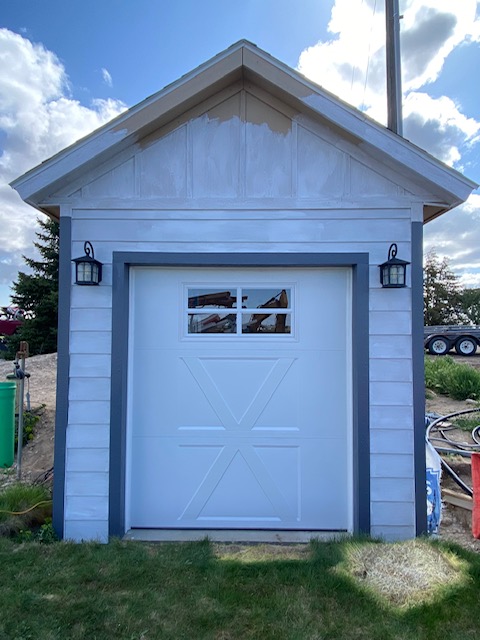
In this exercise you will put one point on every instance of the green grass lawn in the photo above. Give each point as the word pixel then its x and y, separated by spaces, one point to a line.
pixel 140 591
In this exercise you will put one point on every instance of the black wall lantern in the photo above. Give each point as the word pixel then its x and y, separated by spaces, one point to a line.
pixel 393 272
pixel 88 271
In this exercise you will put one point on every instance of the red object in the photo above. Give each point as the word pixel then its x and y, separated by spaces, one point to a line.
pixel 8 327
pixel 476 495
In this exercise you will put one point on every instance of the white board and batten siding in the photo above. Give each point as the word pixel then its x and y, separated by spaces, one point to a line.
pixel 242 173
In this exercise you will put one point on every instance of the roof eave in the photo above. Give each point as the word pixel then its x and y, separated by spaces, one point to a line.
pixel 243 60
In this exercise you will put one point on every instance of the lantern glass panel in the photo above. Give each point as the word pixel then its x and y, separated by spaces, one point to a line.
pixel 82 271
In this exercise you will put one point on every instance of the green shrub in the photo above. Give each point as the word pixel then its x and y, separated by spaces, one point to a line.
pixel 464 382
pixel 30 419
pixel 45 534
pixel 459 381
pixel 437 372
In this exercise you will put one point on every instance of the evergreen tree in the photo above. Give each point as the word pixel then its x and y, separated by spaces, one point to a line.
pixel 37 294
pixel 442 293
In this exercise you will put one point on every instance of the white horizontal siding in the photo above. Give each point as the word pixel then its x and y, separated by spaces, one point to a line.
pixel 89 389
pixel 86 460
pixel 197 231
pixel 375 249
pixel 89 412
pixel 86 508
pixel 392 513
pixel 396 417
pixel 83 484
pixel 392 489
pixel 390 346
pixel 88 436
pixel 400 370
pixel 90 365
pixel 390 394
pixel 98 319
pixel 83 297
pixel 245 209
pixel 382 300
pixel 391 465
pixel 380 322
pixel 390 533
pixel 86 530
pixel 90 341
pixel 388 440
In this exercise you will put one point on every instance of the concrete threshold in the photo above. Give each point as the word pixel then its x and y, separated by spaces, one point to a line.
pixel 231 535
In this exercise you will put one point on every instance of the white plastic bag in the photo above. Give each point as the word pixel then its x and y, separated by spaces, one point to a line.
pixel 434 495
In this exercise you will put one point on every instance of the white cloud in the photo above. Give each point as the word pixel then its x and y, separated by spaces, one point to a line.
pixel 38 118
pixel 456 236
pixel 430 30
pixel 107 78
pixel 352 65
pixel 438 126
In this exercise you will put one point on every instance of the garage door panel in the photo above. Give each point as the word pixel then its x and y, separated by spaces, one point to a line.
pixel 167 479
pixel 231 485
pixel 246 430
pixel 164 402
pixel 238 387
pixel 324 303
pixel 324 503
pixel 155 310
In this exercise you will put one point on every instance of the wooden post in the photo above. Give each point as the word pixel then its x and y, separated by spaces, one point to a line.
pixel 476 495
pixel 394 77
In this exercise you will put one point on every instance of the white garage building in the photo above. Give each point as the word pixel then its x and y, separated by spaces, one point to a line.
pixel 240 371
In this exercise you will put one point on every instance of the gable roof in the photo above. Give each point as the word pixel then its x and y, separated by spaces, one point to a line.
pixel 244 61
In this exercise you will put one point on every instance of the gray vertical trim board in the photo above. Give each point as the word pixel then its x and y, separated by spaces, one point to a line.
pixel 418 379
pixel 118 396
pixel 63 372
pixel 360 383
pixel 361 398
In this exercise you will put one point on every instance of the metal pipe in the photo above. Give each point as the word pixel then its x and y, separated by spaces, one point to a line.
pixel 20 418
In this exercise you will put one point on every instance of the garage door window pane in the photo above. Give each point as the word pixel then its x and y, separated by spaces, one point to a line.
pixel 271 298
pixel 266 323
pixel 212 298
pixel 212 323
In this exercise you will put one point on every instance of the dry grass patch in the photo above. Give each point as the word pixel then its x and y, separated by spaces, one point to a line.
pixel 261 552
pixel 404 574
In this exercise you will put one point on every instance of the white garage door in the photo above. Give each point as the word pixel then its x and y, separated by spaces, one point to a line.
pixel 239 404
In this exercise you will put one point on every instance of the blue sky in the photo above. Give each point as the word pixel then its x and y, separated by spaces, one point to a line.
pixel 66 67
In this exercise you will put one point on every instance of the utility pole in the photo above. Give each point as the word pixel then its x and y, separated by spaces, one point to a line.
pixel 394 76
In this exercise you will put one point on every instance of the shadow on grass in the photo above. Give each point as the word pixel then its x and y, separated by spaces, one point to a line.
pixel 145 591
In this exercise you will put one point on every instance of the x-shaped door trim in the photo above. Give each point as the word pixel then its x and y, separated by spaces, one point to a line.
pixel 231 424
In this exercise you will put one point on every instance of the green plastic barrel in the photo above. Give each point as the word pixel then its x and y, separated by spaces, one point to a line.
pixel 7 423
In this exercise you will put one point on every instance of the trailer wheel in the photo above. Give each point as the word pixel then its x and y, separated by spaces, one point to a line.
pixel 438 346
pixel 465 346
